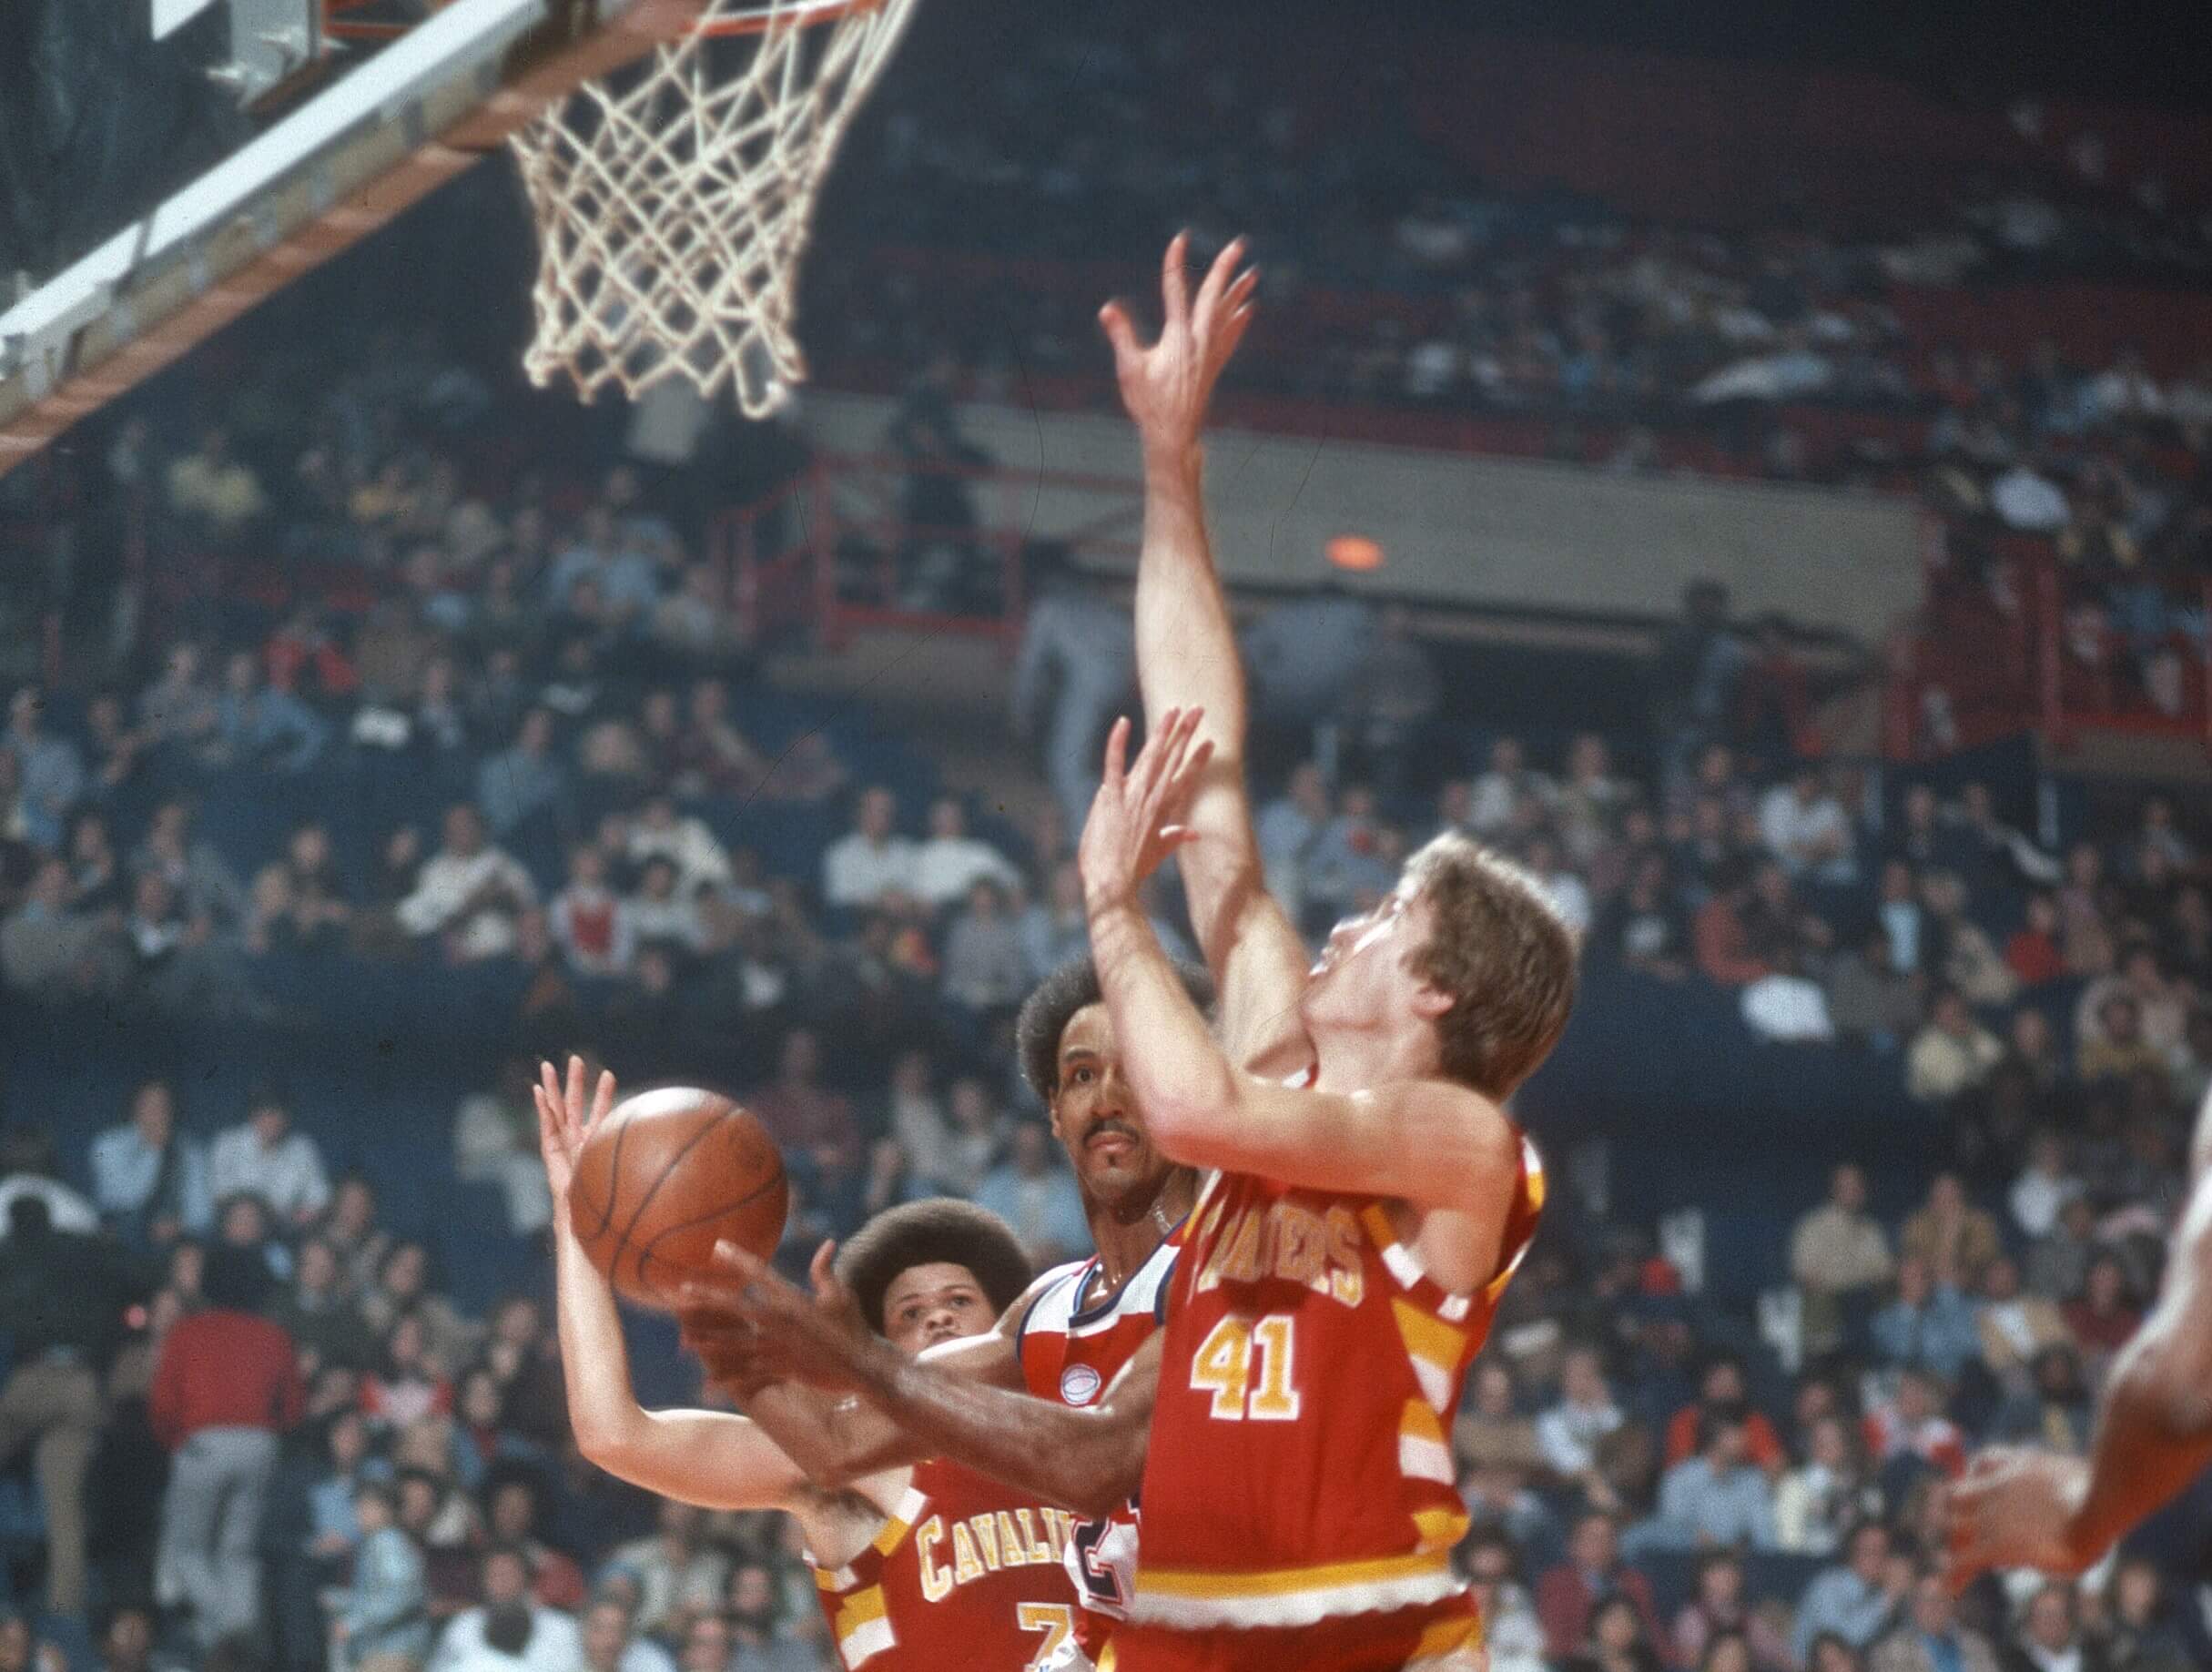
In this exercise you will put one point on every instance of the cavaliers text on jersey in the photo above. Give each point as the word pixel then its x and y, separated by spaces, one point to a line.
pixel 966 1573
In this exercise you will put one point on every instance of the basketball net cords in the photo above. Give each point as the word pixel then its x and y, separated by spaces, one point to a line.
pixel 672 212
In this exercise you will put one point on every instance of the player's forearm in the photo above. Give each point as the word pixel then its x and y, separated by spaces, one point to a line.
pixel 2154 1433
pixel 1180 1079
pixel 1091 1461
pixel 836 1440
pixel 594 1361
pixel 1186 642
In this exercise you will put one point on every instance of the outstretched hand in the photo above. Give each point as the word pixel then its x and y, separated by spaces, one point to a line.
pixel 749 1325
pixel 1131 829
pixel 1168 384
pixel 564 1122
pixel 2014 1507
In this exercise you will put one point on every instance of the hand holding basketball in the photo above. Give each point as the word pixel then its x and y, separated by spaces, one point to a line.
pixel 649 1186
pixel 1167 386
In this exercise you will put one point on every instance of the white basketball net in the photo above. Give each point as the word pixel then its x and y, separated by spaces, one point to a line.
pixel 674 205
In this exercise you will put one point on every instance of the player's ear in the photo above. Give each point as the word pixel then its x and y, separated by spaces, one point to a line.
pixel 1431 1001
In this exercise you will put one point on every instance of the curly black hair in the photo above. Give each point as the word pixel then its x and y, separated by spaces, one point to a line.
pixel 941 1230
pixel 1074 985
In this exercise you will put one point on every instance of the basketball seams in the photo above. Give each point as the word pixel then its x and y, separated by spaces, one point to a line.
pixel 777 1180
pixel 706 1127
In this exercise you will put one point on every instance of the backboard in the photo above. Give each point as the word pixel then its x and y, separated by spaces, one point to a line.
pixel 404 95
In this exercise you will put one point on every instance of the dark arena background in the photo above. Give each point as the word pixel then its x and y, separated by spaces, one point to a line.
pixel 1752 464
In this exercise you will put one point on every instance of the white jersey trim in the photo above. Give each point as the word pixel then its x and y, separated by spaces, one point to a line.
pixel 1299 1607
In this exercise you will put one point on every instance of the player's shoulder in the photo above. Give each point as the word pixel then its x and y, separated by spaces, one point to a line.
pixel 1048 1302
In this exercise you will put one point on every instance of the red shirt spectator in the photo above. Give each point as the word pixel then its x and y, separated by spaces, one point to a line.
pixel 224 1368
pixel 2033 953
pixel 1567 1593
pixel 1762 1445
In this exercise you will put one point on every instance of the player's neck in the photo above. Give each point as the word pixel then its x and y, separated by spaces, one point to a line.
pixel 1126 1232
pixel 1359 1058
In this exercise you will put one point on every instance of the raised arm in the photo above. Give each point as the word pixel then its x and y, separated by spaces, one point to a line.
pixel 2020 1508
pixel 1427 1142
pixel 1186 643
pixel 706 1457
pixel 750 1323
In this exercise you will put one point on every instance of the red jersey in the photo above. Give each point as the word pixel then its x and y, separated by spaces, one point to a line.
pixel 966 1573
pixel 1072 1353
pixel 1300 1468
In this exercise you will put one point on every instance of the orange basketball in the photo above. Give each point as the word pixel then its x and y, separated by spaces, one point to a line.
pixel 662 1179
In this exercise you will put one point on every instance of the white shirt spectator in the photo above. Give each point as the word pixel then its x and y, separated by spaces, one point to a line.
pixel 1567 1434
pixel 554 1646
pixel 2028 501
pixel 287 1175
pixel 945 867
pixel 1810 838
pixel 1788 1009
pixel 686 844
pixel 2037 1197
pixel 859 872
pixel 450 894
pixel 1569 896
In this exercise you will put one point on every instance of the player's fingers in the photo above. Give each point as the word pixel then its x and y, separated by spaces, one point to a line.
pixel 575 1088
pixel 604 1100
pixel 824 1271
pixel 1120 334
pixel 1117 753
pixel 1218 276
pixel 1174 283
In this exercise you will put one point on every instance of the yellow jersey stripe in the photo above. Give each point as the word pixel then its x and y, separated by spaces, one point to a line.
pixel 1282 1582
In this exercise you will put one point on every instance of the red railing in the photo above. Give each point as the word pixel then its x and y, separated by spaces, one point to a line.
pixel 784 558
pixel 2039 645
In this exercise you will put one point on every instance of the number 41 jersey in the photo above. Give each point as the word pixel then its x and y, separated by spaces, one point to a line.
pixel 1300 1468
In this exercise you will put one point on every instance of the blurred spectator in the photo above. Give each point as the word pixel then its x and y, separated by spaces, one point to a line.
pixel 178 713
pixel 1055 928
pixel 1805 828
pixel 226 1389
pixel 264 1157
pixel 1909 1424
pixel 550 1641
pixel 1956 1239
pixel 1568 1596
pixel 1512 1634
pixel 1928 1638
pixel 1819 1503
pixel 30 1169
pixel 522 780
pixel 1570 1429
pixel 495 1142
pixel 612 1642
pixel 2104 1315
pixel 1726 953
pixel 1722 1392
pixel 152 1182
pixel 1929 1325
pixel 1287 829
pixel 2013 1326
pixel 677 1573
pixel 1031 1192
pixel 382 1624
pixel 205 887
pixel 872 861
pixel 257 725
pixel 1837 1252
pixel 950 862
pixel 1718 1497
pixel 214 490
pixel 660 832
pixel 1951 1054
pixel 469 893
pixel 1618 1640
pixel 589 921
pixel 49 775
pixel 1301 655
pixel 984 968
pixel 800 1113
pixel 1857 1601
pixel 61 1297
pixel 2049 1634
pixel 1078 652
pixel 1508 793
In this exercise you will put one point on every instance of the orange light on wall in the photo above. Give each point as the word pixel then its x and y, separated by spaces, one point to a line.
pixel 1353 552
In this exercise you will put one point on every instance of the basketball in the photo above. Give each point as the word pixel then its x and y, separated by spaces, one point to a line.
pixel 664 1178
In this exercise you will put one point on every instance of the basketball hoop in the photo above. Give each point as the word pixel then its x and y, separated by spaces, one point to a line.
pixel 674 202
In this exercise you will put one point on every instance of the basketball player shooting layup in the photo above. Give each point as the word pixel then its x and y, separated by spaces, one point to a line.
pixel 919 1566
pixel 2022 1508
pixel 1069 1335
pixel 1368 1199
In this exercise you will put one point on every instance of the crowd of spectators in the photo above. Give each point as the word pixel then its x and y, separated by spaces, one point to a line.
pixel 380 1478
